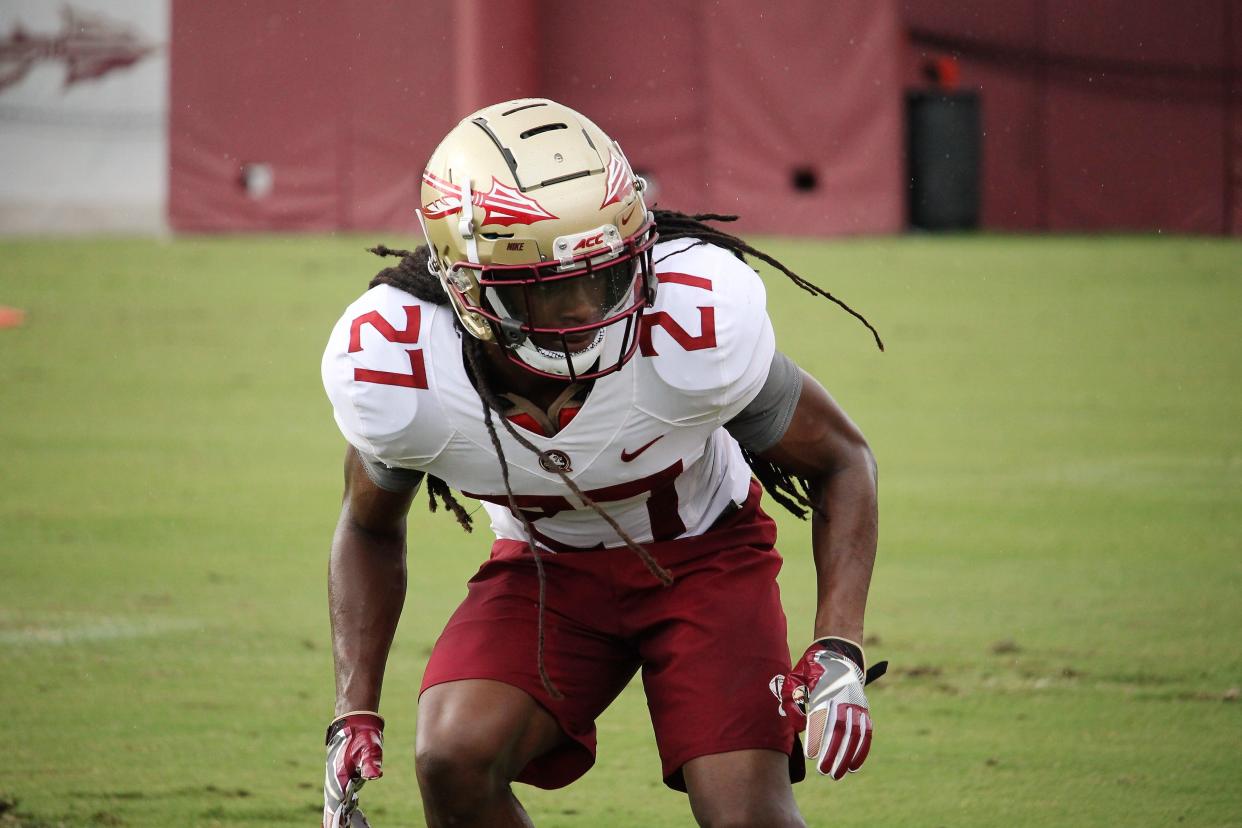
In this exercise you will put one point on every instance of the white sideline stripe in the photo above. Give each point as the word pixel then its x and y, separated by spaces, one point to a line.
pixel 98 629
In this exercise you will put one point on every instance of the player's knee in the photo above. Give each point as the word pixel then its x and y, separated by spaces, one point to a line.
pixel 770 817
pixel 765 813
pixel 457 774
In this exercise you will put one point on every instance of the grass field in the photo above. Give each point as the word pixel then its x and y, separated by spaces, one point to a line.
pixel 1058 424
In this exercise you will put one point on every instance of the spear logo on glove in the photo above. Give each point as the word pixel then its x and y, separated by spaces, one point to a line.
pixel 825 690
pixel 355 754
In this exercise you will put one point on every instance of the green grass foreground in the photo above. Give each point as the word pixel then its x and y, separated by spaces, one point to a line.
pixel 1058 424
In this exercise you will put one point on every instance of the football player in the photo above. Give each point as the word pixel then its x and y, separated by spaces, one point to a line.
pixel 605 380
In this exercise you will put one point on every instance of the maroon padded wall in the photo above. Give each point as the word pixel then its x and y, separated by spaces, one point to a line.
pixel 717 101
pixel 820 92
pixel 721 102
pixel 1233 115
pixel 344 102
pixel 228 109
pixel 1116 114
pixel 649 96
pixel 1119 114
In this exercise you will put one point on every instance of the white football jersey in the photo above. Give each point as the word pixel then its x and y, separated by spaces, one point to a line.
pixel 647 444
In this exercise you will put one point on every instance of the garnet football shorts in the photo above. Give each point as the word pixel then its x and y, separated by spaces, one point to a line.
pixel 707 645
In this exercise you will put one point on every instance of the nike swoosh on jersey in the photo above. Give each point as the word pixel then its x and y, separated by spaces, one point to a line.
pixel 627 456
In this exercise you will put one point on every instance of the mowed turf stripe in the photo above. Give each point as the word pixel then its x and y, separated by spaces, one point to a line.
pixel 86 630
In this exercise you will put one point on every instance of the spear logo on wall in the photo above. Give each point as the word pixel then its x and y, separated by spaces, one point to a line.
pixel 90 45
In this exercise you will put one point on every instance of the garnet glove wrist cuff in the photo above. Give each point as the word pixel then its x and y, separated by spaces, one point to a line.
pixel 355 754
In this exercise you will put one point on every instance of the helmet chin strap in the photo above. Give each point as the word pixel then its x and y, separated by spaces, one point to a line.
pixel 559 362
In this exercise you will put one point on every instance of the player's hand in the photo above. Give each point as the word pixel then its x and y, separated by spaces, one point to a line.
pixel 824 690
pixel 355 754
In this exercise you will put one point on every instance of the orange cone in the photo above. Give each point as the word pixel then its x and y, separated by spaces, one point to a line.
pixel 11 317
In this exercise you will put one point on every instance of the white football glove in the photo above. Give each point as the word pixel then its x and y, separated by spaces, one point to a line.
pixel 824 690
pixel 355 754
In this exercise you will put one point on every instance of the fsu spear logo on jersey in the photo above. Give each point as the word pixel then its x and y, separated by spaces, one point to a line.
pixel 90 45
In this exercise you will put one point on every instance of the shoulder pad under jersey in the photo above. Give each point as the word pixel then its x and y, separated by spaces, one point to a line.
pixel 377 370
pixel 707 336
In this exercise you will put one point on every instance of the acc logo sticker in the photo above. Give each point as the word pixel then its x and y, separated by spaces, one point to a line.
pixel 590 241
pixel 554 460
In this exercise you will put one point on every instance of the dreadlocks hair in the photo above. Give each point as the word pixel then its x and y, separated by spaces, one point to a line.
pixel 672 226
pixel 794 492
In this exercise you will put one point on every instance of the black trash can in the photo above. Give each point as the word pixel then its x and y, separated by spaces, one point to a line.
pixel 943 146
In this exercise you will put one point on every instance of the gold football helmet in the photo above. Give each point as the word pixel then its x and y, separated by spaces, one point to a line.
pixel 540 237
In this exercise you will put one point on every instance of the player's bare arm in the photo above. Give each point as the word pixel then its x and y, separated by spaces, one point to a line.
pixel 825 688
pixel 366 591
pixel 825 446
pixel 366 585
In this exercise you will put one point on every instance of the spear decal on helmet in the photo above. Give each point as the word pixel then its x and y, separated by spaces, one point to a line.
pixel 504 205
pixel 620 181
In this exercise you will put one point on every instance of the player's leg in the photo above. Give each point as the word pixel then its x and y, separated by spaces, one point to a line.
pixel 742 787
pixel 485 717
pixel 474 737
pixel 708 658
